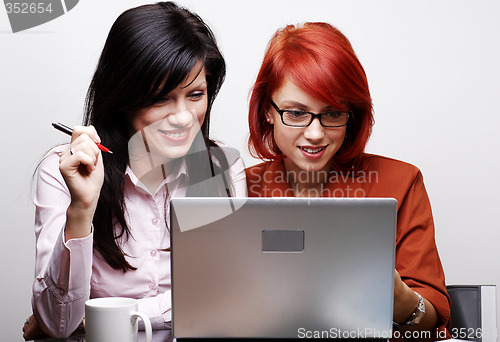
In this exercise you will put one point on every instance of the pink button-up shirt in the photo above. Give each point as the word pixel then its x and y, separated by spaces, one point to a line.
pixel 66 274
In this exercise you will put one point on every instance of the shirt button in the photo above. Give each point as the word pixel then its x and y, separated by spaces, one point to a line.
pixel 153 252
pixel 61 292
pixel 154 221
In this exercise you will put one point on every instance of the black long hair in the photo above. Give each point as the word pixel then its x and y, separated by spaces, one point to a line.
pixel 149 51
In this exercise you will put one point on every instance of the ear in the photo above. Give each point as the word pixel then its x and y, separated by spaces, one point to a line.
pixel 269 118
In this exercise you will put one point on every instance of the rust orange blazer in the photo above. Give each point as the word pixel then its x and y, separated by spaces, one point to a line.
pixel 417 259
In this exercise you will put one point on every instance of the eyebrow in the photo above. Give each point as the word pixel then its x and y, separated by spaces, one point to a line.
pixel 292 103
pixel 194 85
pixel 303 107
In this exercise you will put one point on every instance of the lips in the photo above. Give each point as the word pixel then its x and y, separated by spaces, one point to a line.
pixel 173 134
pixel 312 149
pixel 176 136
pixel 313 152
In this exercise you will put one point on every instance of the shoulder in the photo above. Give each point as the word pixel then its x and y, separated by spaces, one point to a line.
pixel 261 176
pixel 387 162
pixel 389 167
pixel 254 173
pixel 383 176
pixel 231 155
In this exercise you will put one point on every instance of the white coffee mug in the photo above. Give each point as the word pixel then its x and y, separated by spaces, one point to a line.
pixel 112 319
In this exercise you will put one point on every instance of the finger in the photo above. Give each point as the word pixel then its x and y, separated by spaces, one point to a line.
pixel 86 154
pixel 86 160
pixel 86 144
pixel 85 130
pixel 83 144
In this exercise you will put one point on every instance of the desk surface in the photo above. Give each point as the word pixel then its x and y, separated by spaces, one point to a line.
pixel 158 336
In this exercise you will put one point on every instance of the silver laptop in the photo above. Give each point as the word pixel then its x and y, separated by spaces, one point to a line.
pixel 282 267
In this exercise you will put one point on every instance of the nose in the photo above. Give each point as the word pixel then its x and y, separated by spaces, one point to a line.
pixel 180 116
pixel 180 119
pixel 314 131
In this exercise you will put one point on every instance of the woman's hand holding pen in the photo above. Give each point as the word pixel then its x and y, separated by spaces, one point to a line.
pixel 82 169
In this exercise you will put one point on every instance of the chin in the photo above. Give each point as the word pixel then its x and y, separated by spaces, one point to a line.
pixel 176 154
pixel 314 169
pixel 308 167
pixel 320 165
pixel 171 152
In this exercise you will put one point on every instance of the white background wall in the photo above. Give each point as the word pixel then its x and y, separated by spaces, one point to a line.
pixel 434 72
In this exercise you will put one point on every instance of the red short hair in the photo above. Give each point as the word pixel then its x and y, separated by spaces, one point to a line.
pixel 319 59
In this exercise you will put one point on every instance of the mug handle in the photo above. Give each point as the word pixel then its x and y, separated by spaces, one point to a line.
pixel 147 323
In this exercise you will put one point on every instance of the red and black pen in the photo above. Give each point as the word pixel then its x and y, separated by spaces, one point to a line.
pixel 65 129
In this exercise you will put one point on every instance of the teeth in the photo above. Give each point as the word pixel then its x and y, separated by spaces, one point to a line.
pixel 177 135
pixel 174 134
pixel 312 150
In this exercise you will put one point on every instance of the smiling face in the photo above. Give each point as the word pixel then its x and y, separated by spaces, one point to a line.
pixel 309 148
pixel 167 129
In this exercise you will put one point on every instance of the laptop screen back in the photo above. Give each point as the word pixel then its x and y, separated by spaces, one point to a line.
pixel 282 267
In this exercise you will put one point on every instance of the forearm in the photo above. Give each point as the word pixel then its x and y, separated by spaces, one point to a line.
pixel 60 291
pixel 405 302
pixel 63 264
pixel 418 263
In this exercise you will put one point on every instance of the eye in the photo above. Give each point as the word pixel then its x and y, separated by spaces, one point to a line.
pixel 162 101
pixel 333 115
pixel 295 114
pixel 195 96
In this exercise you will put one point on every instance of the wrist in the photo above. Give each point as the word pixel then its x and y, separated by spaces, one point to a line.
pixel 417 314
pixel 78 221
pixel 81 211
pixel 405 302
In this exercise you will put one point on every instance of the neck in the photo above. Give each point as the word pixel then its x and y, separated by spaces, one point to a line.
pixel 307 183
pixel 153 178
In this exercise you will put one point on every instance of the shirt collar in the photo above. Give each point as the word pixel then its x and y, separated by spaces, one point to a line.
pixel 180 171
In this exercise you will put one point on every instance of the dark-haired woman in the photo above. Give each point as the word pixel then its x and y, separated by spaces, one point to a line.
pixel 102 219
pixel 311 116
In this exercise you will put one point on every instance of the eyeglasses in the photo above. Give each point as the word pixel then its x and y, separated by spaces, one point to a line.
pixel 300 118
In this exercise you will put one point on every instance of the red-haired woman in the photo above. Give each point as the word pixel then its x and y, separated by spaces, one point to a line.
pixel 311 116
